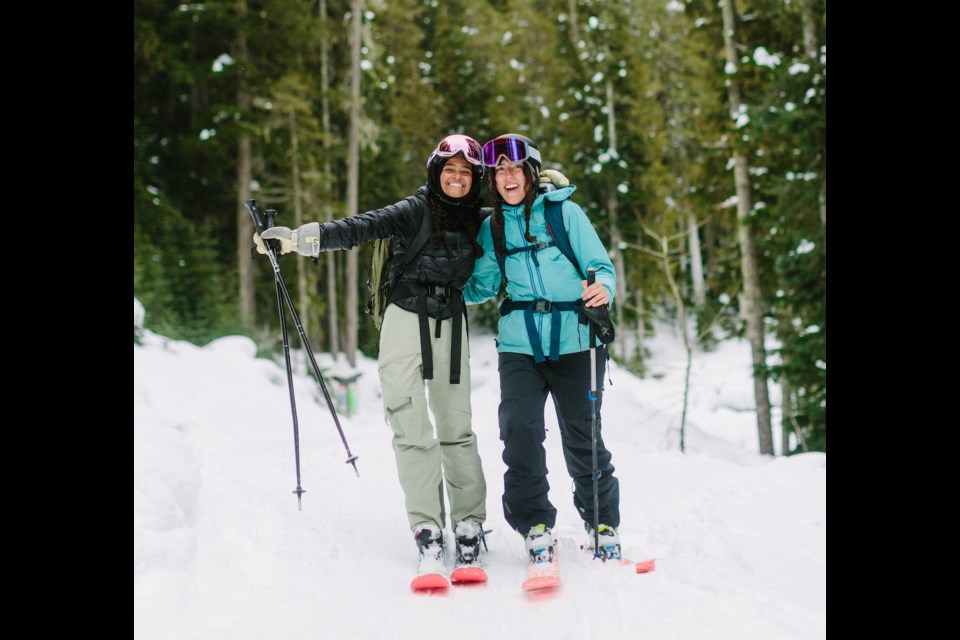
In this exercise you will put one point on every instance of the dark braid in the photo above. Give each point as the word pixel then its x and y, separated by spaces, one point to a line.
pixel 527 207
pixel 439 214
pixel 496 227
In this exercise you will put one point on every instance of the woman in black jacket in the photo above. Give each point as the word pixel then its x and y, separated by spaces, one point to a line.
pixel 423 345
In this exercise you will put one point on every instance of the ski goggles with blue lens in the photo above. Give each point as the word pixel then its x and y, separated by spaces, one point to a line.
pixel 513 149
pixel 452 145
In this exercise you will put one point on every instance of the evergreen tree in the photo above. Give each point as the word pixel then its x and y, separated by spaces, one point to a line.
pixel 788 124
pixel 625 97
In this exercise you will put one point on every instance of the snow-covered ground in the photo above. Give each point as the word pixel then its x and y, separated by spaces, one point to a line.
pixel 221 550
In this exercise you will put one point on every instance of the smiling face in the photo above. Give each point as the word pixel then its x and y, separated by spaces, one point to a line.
pixel 511 181
pixel 456 177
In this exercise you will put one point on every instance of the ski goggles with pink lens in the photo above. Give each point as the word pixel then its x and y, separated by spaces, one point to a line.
pixel 514 149
pixel 452 145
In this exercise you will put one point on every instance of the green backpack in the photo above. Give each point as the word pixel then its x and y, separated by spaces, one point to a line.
pixel 379 285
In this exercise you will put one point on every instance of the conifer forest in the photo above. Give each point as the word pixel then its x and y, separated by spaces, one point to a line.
pixel 694 131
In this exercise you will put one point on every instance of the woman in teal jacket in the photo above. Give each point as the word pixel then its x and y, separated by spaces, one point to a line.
pixel 542 346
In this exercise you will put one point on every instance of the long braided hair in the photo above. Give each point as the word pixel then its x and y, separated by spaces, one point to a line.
pixel 496 219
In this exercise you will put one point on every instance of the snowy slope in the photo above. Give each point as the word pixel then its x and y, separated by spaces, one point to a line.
pixel 221 551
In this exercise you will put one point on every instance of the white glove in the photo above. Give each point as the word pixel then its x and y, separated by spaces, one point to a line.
pixel 557 179
pixel 257 240
pixel 305 239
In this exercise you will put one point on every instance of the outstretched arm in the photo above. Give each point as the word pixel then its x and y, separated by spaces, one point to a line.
pixel 402 218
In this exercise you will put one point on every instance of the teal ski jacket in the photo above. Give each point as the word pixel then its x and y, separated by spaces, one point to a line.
pixel 544 274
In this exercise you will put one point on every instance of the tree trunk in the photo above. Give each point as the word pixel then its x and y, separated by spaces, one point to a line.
pixel 616 253
pixel 696 263
pixel 811 47
pixel 574 26
pixel 748 251
pixel 682 325
pixel 353 180
pixel 244 224
pixel 303 298
pixel 823 199
pixel 710 245
pixel 331 294
pixel 641 333
pixel 787 413
pixel 616 256
pixel 790 419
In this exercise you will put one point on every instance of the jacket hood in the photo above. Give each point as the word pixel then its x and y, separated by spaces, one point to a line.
pixel 558 194
pixel 433 183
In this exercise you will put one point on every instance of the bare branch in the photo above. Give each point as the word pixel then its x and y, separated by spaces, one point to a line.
pixel 713 321
pixel 796 428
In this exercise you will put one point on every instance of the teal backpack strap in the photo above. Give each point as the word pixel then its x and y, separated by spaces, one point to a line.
pixel 553 213
pixel 598 316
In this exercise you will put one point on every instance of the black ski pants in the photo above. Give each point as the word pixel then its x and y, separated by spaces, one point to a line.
pixel 524 386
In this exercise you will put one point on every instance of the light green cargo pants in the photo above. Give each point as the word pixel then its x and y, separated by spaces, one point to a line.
pixel 427 457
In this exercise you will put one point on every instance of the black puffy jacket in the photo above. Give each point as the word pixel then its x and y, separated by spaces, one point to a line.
pixel 447 260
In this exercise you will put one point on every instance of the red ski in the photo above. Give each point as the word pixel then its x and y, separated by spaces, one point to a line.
pixel 541 582
pixel 429 581
pixel 542 575
pixel 469 573
pixel 646 566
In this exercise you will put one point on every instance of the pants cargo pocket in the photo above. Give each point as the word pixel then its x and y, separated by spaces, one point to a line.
pixel 395 408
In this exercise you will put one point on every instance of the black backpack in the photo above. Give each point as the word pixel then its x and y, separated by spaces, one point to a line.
pixel 379 284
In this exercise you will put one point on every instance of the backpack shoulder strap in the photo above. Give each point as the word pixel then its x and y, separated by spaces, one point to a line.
pixel 553 213
pixel 419 240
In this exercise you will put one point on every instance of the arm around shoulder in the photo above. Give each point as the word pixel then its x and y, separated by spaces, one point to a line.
pixel 484 284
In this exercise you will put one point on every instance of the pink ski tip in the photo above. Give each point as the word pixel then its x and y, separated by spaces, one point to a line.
pixel 429 581
pixel 469 574
pixel 543 582
pixel 646 566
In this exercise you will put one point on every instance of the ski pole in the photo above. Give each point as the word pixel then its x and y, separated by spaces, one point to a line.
pixel 592 395
pixel 270 216
pixel 272 255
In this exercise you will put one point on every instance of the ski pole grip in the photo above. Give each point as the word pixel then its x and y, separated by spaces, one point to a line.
pixel 591 278
pixel 252 208
pixel 271 215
